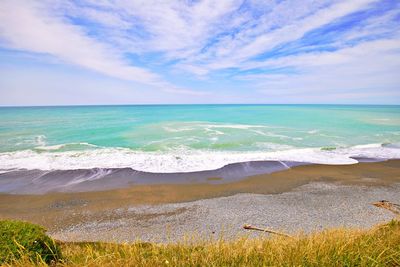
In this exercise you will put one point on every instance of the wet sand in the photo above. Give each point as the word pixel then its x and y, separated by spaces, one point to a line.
pixel 131 213
pixel 99 179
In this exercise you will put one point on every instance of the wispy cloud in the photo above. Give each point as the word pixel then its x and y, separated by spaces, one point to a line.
pixel 250 46
pixel 349 72
pixel 30 26
pixel 181 47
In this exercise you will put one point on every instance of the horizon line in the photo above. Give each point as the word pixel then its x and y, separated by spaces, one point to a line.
pixel 197 104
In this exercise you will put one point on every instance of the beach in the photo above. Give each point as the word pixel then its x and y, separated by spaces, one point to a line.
pixel 302 198
pixel 159 173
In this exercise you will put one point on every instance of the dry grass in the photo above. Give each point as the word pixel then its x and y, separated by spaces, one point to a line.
pixel 379 246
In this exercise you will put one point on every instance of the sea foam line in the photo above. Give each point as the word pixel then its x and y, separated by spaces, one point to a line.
pixel 182 160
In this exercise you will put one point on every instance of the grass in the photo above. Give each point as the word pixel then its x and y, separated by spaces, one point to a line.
pixel 378 246
pixel 28 241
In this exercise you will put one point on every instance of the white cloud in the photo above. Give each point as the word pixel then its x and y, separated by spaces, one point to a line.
pixel 250 46
pixel 211 39
pixel 177 28
pixel 386 51
pixel 366 69
pixel 29 26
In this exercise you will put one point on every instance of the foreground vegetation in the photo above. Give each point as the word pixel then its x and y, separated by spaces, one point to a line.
pixel 23 240
pixel 379 246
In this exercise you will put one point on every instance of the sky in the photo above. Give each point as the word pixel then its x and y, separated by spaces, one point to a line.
pixel 91 52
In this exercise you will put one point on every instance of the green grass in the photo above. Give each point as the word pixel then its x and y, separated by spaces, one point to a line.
pixel 26 241
pixel 379 246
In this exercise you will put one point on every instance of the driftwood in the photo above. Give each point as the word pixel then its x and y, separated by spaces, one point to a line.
pixel 395 208
pixel 249 227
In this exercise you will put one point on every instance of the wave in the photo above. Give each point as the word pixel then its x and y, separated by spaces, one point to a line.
pixel 66 147
pixel 183 160
pixel 207 126
pixel 40 140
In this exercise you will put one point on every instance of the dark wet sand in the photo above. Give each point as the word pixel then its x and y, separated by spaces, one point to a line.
pixel 58 211
pixel 96 179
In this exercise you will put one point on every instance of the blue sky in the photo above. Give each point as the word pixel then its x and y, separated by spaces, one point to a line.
pixel 138 52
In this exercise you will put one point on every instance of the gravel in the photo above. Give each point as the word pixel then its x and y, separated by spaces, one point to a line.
pixel 311 207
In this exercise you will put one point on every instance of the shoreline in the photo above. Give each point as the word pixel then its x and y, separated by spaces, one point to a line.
pixel 134 211
pixel 39 182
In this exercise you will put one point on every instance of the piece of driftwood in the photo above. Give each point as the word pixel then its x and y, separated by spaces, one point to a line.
pixel 395 208
pixel 250 227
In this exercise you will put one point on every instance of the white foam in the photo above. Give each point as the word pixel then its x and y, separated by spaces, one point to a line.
pixel 174 130
pixel 233 126
pixel 269 134
pixel 368 146
pixel 181 160
pixel 208 126
pixel 58 147
pixel 96 174
pixel 40 140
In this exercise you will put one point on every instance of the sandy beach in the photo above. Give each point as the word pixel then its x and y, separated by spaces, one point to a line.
pixel 303 198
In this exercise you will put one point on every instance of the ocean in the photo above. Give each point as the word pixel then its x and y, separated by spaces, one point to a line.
pixel 189 138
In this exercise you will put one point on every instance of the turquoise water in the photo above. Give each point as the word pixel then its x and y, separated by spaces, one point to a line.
pixel 148 137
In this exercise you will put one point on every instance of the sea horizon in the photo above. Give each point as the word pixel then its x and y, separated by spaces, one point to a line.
pixel 202 104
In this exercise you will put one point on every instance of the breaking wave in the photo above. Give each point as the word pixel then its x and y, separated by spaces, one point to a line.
pixel 87 156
